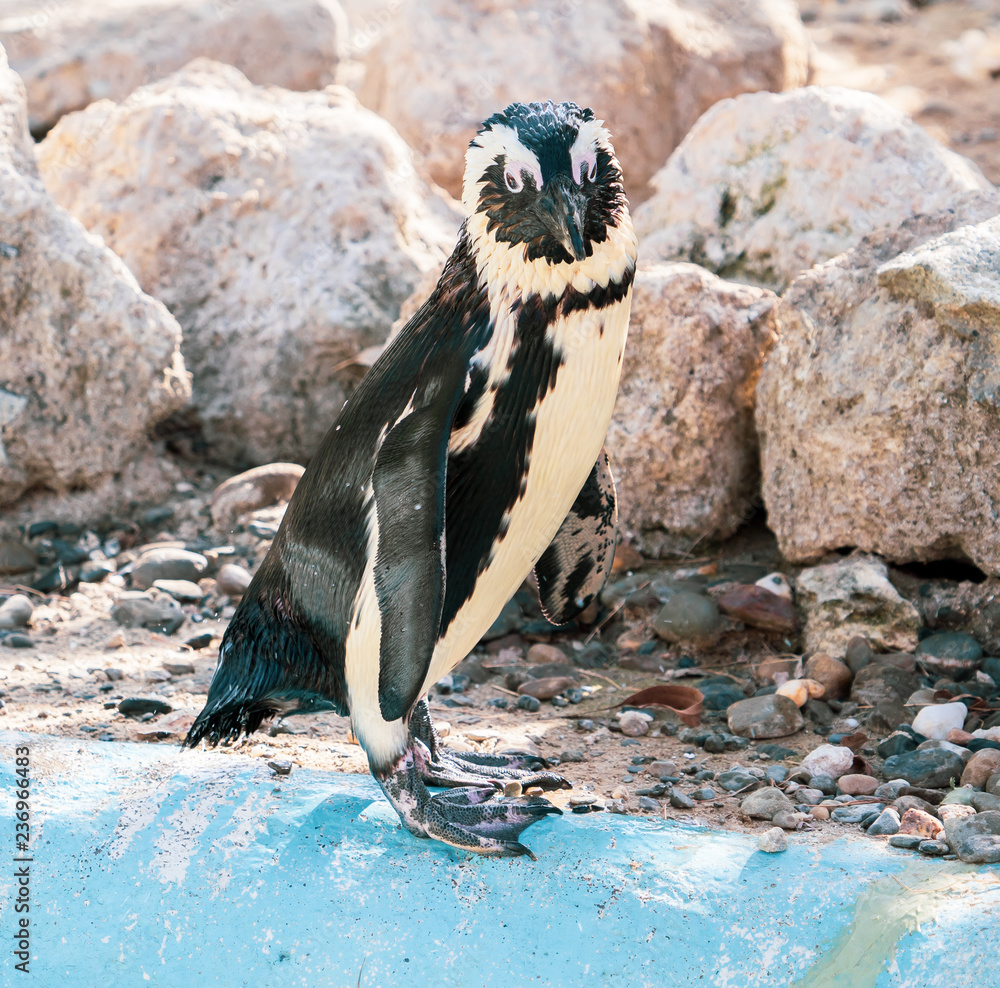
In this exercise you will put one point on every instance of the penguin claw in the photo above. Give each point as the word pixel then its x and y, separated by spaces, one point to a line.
pixel 470 817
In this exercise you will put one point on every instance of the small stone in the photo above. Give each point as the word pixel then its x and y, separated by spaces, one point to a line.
pixel 634 724
pixel 800 690
pixel 96 570
pixel 138 609
pixel 183 590
pixel 760 608
pixel 993 784
pixel 921 824
pixel 789 819
pixel 958 736
pixel 179 668
pixel 833 760
pixel 662 767
pixel 736 779
pixel 252 490
pixel 954 645
pixel 280 766
pixel 896 744
pixel 934 848
pixel 934 768
pixel 834 676
pixel 859 654
pixel 937 720
pixel 18 641
pixel 910 802
pixel 15 557
pixel 138 705
pixel 764 717
pixel 819 812
pixel 856 812
pixel 167 564
pixel 157 676
pixel 772 841
pixel 681 802
pixel 985 802
pixel 980 767
pixel 720 693
pixel 809 796
pixel 775 669
pixel 955 749
pixel 764 803
pixel 703 794
pixel 952 811
pixel 858 785
pixel 15 611
pixel 596 655
pixel 886 823
pixel 529 703
pixel 648 803
pixel 233 580
pixel 908 842
pixel 572 755
pixel 688 616
pixel 546 689
pixel 976 839
pixel 198 642
pixel 540 654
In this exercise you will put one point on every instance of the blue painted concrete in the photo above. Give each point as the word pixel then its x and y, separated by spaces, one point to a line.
pixel 157 866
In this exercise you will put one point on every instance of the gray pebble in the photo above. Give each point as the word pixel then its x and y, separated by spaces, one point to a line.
pixel 645 803
pixel 18 641
pixel 233 580
pixel 703 794
pixel 15 611
pixel 681 802
pixel 933 848
pixel 153 704
pixel 909 842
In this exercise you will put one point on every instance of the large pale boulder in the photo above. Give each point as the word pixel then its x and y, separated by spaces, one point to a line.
pixel 768 184
pixel 73 52
pixel 282 229
pixel 854 597
pixel 88 363
pixel 682 439
pixel 879 409
pixel 436 68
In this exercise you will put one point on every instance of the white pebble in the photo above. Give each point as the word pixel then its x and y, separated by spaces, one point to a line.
pixel 937 720
pixel 773 841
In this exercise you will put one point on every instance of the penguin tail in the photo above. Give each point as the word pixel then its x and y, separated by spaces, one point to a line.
pixel 269 666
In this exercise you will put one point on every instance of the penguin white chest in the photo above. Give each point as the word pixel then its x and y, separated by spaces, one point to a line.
pixel 570 425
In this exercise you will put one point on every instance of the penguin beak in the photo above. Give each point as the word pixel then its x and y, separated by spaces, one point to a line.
pixel 561 210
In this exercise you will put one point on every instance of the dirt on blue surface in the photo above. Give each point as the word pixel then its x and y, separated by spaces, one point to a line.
pixel 153 865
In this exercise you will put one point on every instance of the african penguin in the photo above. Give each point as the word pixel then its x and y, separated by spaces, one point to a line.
pixel 471 453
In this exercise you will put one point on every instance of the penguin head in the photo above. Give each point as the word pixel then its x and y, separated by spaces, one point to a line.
pixel 546 177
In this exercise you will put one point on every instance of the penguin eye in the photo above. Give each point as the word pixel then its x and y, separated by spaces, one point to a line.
pixel 513 178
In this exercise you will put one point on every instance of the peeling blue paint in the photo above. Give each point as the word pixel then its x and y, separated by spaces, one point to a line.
pixel 180 868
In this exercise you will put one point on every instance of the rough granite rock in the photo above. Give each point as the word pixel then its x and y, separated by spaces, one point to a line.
pixel 854 597
pixel 768 184
pixel 436 68
pixel 879 408
pixel 88 363
pixel 73 52
pixel 282 229
pixel 682 441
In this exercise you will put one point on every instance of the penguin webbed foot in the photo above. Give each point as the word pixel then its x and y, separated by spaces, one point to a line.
pixel 470 817
pixel 467 768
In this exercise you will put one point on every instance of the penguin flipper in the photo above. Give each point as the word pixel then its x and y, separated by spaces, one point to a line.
pixel 409 487
pixel 575 566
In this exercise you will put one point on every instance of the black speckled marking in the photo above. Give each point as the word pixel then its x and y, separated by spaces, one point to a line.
pixel 486 478
pixel 572 570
